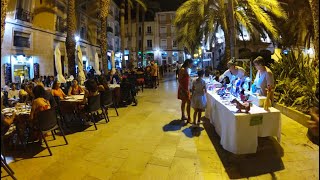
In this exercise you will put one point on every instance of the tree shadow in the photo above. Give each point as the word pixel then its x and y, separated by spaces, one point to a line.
pixel 266 160
pixel 192 131
pixel 174 125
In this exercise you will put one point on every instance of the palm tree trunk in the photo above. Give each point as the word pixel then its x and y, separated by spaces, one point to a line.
pixel 142 34
pixel 70 40
pixel 104 11
pixel 122 30
pixel 227 54
pixel 129 29
pixel 4 6
pixel 314 4
pixel 137 32
pixel 230 25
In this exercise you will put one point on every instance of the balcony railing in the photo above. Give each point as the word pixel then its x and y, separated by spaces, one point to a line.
pixel 24 15
pixel 149 33
pixel 148 48
pixel 163 47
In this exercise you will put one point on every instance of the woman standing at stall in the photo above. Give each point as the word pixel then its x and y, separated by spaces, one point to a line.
pixel 183 90
pixel 233 72
pixel 264 77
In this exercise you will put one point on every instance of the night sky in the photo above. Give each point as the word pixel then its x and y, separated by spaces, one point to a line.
pixel 170 5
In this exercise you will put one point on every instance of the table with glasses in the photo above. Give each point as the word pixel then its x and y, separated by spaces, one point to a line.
pixel 239 132
pixel 21 121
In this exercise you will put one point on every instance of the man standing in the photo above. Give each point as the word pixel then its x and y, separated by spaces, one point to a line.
pixel 154 74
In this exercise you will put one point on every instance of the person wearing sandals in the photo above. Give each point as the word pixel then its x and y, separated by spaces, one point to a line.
pixel 183 90
pixel 198 98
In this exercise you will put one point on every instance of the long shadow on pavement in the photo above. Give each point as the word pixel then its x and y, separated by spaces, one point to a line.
pixel 192 131
pixel 174 125
pixel 266 160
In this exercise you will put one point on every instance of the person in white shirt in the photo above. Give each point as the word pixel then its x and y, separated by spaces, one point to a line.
pixel 234 72
pixel 13 92
pixel 264 77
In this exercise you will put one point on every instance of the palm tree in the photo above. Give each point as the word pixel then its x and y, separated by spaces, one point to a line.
pixel 4 6
pixel 104 11
pixel 298 29
pixel 122 30
pixel 314 4
pixel 254 15
pixel 70 40
pixel 137 32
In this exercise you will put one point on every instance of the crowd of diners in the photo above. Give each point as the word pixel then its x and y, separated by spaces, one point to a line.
pixel 41 93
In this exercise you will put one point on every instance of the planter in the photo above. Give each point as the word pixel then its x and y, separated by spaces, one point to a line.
pixel 294 114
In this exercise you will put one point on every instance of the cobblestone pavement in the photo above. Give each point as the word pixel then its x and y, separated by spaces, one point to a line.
pixel 148 142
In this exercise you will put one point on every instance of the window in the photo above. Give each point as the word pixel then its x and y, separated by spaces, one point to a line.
pixel 84 7
pixel 140 44
pixel 60 24
pixel 23 11
pixel 83 33
pixel 163 44
pixel 149 43
pixel 149 30
pixel 21 39
pixel 162 17
pixel 174 43
pixel 140 30
pixel 163 29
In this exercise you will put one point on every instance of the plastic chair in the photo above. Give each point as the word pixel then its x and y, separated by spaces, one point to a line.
pixel 47 121
pixel 93 107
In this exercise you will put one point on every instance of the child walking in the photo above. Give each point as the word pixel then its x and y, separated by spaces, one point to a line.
pixel 198 99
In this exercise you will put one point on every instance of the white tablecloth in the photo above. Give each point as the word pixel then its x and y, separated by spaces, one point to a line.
pixel 237 135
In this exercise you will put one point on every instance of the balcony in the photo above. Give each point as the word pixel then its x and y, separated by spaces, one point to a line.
pixel 163 47
pixel 24 15
pixel 109 29
pixel 148 48
pixel 149 33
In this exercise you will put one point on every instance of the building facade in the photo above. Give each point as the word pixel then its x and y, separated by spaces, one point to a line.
pixel 158 41
pixel 34 28
pixel 167 48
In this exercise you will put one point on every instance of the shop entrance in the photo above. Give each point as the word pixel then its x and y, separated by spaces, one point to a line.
pixel 22 68
pixel 21 72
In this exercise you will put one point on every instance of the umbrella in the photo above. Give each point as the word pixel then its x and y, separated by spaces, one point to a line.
pixel 81 76
pixel 57 57
pixel 112 61
pixel 96 64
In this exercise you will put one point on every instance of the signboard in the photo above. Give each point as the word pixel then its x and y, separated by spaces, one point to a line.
pixel 256 120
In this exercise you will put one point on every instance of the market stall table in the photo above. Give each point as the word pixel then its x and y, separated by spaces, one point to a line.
pixel 239 132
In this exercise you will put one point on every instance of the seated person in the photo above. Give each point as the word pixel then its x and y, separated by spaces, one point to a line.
pixel 57 91
pixel 13 92
pixel 112 75
pixel 91 90
pixel 103 84
pixel 233 72
pixel 39 103
pixel 23 94
pixel 75 89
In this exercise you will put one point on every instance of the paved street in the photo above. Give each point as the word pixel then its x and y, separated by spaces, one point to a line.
pixel 148 142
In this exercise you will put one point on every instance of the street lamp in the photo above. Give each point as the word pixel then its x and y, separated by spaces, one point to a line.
pixel 77 38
